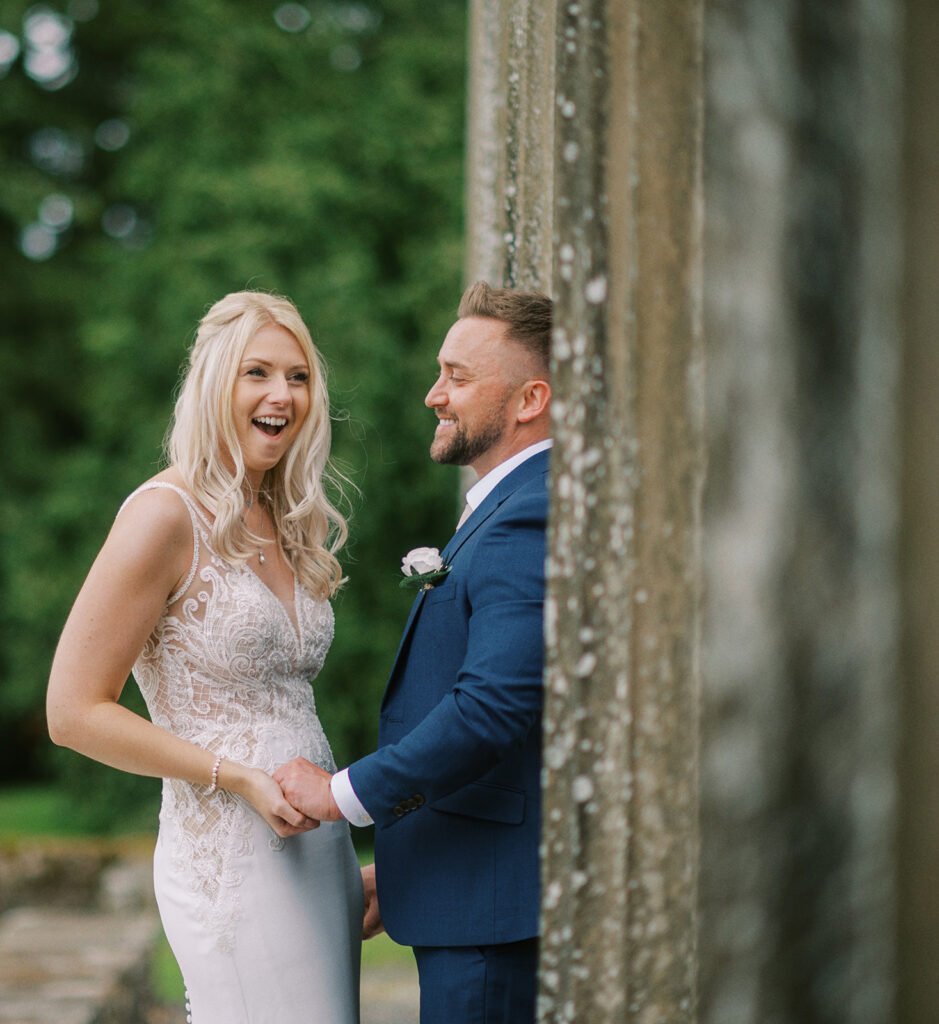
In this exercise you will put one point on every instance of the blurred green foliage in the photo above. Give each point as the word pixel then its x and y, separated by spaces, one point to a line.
pixel 154 158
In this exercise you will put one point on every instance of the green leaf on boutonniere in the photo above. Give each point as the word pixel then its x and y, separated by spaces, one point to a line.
pixel 424 580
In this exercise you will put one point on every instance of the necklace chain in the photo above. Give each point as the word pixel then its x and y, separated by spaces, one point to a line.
pixel 250 499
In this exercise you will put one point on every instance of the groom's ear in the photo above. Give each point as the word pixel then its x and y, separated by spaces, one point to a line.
pixel 534 400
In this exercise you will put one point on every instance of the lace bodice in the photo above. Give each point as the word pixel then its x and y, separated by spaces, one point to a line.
pixel 229 668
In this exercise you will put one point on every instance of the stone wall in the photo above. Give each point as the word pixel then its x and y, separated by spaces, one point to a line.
pixel 78 929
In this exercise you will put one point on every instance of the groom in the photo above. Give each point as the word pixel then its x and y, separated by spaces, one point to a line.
pixel 454 788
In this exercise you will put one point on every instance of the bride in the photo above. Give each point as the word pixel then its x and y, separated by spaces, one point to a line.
pixel 213 586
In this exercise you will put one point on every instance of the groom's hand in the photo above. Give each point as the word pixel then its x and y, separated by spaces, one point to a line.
pixel 371 922
pixel 306 786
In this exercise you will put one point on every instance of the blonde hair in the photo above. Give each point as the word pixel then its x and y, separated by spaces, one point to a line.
pixel 202 444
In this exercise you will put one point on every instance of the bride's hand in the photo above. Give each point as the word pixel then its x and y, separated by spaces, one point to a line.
pixel 267 798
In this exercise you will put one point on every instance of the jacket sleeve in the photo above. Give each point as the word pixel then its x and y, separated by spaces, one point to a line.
pixel 498 693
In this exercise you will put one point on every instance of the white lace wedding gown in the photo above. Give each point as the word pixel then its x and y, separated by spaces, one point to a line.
pixel 266 930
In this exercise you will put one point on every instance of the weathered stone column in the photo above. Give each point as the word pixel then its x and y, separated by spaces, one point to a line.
pixel 801 286
pixel 509 149
pixel 799 906
pixel 620 840
pixel 510 143
pixel 918 987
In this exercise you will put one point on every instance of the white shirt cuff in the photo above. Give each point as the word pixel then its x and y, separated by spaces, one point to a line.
pixel 348 802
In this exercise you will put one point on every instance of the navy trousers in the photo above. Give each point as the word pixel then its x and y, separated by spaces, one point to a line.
pixel 478 984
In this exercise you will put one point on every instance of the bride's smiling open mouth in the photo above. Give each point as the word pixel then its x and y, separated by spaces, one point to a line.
pixel 270 425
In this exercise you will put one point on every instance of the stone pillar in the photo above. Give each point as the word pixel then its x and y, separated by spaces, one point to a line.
pixel 620 833
pixel 918 987
pixel 510 143
pixel 819 555
pixel 509 149
pixel 800 644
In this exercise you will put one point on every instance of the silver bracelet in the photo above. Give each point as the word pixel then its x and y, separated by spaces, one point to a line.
pixel 215 768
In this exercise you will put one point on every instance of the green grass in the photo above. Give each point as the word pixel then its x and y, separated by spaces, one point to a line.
pixel 35 811
pixel 46 811
pixel 385 952
pixel 165 979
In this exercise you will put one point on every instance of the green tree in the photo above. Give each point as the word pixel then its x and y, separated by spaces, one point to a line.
pixel 311 150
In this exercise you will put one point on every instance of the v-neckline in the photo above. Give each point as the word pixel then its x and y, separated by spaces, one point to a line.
pixel 293 620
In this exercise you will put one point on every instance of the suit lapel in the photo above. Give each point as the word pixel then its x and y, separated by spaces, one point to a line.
pixel 478 517
pixel 529 469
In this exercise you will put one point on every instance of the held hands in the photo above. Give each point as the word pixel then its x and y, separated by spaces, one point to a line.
pixel 267 798
pixel 371 922
pixel 306 786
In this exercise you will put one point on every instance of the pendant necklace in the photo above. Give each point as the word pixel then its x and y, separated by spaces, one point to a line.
pixel 249 501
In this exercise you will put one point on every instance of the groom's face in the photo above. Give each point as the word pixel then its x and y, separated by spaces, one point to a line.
pixel 473 393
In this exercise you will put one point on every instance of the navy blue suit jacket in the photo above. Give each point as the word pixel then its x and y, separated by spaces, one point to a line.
pixel 454 787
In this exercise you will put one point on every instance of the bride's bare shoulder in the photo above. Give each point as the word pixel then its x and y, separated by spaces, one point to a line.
pixel 158 510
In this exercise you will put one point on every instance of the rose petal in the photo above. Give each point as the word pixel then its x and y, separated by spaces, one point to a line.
pixel 421 560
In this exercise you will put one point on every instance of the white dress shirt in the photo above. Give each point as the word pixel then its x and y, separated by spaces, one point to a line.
pixel 341 785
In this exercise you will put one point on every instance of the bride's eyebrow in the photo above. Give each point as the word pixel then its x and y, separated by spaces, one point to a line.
pixel 260 361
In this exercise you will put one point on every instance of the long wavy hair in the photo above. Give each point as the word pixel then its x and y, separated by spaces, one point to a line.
pixel 202 444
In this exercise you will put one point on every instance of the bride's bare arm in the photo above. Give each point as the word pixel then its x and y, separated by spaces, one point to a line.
pixel 145 557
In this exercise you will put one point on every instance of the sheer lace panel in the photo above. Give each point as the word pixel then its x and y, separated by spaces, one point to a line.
pixel 226 668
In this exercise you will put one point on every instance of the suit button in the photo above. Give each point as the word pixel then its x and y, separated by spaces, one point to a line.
pixel 418 800
pixel 397 811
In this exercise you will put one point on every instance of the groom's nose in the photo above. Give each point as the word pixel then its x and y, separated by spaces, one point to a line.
pixel 437 395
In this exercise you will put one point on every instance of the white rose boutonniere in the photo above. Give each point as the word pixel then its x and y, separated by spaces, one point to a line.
pixel 423 569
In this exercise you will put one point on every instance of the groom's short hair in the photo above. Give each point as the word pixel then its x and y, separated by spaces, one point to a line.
pixel 528 315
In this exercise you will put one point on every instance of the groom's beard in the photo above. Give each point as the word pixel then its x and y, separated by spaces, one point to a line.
pixel 460 448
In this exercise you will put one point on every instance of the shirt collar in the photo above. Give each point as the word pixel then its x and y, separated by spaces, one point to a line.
pixel 485 485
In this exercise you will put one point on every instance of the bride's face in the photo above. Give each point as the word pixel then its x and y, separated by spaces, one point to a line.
pixel 271 397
